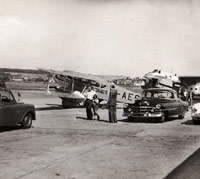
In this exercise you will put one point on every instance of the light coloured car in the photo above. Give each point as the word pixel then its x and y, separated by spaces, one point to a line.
pixel 195 113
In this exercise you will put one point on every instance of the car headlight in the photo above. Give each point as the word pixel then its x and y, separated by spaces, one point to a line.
pixel 158 106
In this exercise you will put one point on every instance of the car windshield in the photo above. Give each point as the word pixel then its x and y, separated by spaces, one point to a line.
pixel 159 94
pixel 6 96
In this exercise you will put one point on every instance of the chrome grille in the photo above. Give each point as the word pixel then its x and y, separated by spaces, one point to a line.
pixel 141 109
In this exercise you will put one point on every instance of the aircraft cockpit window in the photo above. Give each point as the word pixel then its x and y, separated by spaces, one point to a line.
pixel 64 77
pixel 156 70
pixel 94 83
pixel 103 85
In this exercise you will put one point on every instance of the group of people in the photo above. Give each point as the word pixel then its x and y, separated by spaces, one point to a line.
pixel 92 104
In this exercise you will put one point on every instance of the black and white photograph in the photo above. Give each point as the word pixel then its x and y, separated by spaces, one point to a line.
pixel 99 89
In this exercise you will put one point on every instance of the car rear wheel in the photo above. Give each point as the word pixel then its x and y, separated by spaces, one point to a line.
pixel 195 122
pixel 181 116
pixel 27 121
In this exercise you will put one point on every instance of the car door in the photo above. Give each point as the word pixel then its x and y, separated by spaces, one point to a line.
pixel 174 107
pixel 184 106
pixel 10 108
pixel 2 114
pixel 12 113
pixel 179 105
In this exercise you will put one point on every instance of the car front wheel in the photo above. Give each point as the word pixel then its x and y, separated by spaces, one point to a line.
pixel 27 121
pixel 162 119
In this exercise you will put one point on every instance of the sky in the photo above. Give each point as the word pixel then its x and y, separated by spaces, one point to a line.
pixel 103 37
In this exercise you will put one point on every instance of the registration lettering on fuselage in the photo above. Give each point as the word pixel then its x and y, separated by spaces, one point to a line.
pixel 130 96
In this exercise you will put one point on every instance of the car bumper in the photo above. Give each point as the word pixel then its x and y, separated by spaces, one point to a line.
pixel 143 115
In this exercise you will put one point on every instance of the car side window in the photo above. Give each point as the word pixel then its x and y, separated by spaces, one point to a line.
pixel 171 95
pixel 6 97
pixel 160 95
pixel 148 95
pixel 175 95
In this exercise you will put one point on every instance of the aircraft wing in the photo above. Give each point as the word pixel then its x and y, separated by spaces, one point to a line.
pixel 75 75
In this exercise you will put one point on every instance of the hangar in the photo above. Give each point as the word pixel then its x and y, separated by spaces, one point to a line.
pixel 189 80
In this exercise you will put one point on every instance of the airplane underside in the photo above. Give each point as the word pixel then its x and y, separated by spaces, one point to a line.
pixel 71 99
pixel 71 102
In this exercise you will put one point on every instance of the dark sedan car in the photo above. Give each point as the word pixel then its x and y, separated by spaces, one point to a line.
pixel 13 113
pixel 157 103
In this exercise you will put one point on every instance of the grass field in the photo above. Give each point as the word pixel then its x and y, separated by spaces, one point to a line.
pixel 26 85
pixel 41 86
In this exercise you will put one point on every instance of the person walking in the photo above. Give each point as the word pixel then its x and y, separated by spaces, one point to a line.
pixel 112 104
pixel 95 106
pixel 88 103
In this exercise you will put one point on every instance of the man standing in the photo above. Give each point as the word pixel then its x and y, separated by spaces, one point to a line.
pixel 88 103
pixel 112 103
pixel 95 106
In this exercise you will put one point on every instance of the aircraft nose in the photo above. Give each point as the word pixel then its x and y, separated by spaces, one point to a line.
pixel 77 94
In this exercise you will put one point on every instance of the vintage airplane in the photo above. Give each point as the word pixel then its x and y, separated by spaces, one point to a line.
pixel 159 78
pixel 162 79
pixel 70 87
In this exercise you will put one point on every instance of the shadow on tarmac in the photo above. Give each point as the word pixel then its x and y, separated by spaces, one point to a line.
pixel 100 120
pixel 56 107
pixel 11 128
pixel 49 108
pixel 189 169
pixel 188 122
pixel 146 120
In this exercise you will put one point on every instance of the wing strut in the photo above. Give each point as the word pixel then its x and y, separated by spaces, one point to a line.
pixel 72 85
pixel 49 79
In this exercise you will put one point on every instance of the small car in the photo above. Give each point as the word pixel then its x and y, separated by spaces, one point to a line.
pixel 13 112
pixel 157 103
pixel 195 113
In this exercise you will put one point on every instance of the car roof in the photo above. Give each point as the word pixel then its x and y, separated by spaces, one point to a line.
pixel 160 89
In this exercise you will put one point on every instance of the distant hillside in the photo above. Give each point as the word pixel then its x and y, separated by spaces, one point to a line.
pixel 35 71
pixel 16 70
pixel 112 77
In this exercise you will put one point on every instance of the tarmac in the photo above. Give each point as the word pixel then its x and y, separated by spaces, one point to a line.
pixel 62 143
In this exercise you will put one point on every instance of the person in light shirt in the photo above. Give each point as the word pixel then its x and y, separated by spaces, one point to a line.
pixel 88 103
